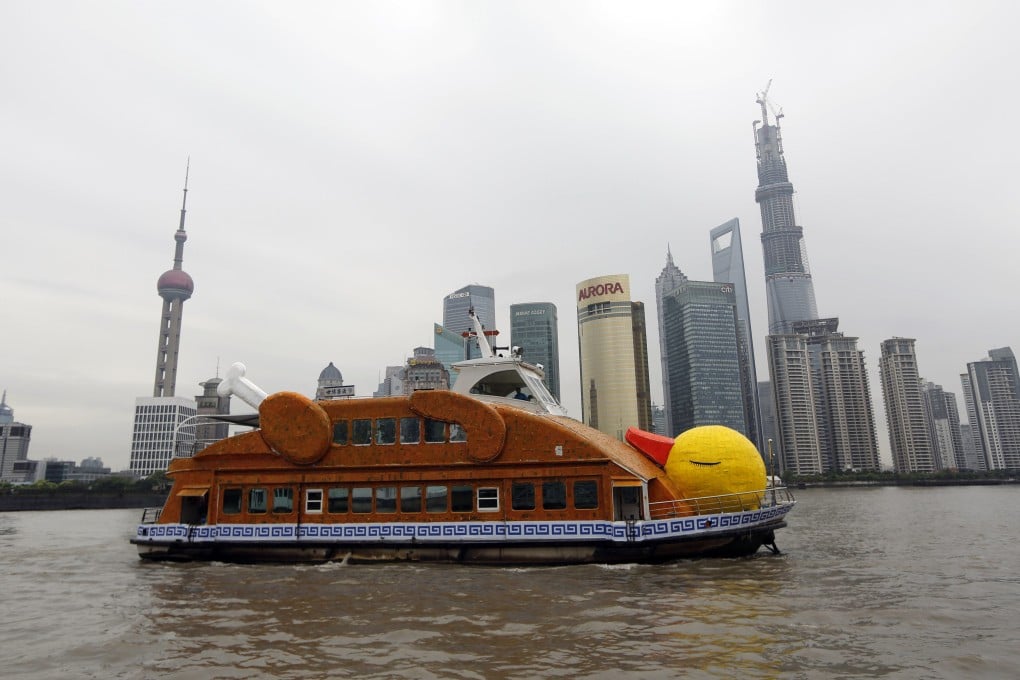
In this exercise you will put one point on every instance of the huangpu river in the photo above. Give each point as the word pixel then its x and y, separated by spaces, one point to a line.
pixel 872 582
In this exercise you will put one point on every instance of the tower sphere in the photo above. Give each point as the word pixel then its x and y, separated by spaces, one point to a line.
pixel 175 283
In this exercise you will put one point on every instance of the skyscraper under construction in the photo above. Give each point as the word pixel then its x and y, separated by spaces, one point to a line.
pixel 789 289
pixel 819 383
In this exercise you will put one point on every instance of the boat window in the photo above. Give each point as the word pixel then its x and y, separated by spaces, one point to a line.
pixel 386 431
pixel 313 501
pixel 488 499
pixel 410 430
pixel 522 495
pixel 283 499
pixel 340 432
pixel 410 499
pixel 231 501
pixel 361 499
pixel 435 499
pixel 386 499
pixel 457 433
pixel 554 496
pixel 435 431
pixel 462 498
pixel 586 495
pixel 362 432
pixel 257 500
pixel 338 499
pixel 539 390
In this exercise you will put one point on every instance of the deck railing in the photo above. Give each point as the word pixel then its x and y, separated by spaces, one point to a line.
pixel 710 505
pixel 151 515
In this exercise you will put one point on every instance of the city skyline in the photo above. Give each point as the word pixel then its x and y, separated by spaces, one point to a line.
pixel 584 147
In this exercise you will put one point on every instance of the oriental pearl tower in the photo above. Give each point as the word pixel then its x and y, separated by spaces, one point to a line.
pixel 174 286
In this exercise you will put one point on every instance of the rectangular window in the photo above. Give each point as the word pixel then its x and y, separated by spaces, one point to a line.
pixel 435 431
pixel 313 501
pixel 340 432
pixel 410 430
pixel 462 498
pixel 283 499
pixel 361 499
pixel 457 433
pixel 435 499
pixel 586 495
pixel 339 498
pixel 257 500
pixel 522 496
pixel 386 431
pixel 386 499
pixel 488 499
pixel 554 496
pixel 231 501
pixel 362 432
pixel 410 499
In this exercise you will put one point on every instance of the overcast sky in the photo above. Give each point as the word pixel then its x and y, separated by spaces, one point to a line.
pixel 352 163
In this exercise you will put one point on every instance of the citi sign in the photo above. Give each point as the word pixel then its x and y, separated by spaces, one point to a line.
pixel 600 290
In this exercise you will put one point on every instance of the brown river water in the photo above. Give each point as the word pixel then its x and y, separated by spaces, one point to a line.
pixel 872 583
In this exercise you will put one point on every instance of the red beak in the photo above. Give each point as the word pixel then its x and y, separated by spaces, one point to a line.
pixel 655 446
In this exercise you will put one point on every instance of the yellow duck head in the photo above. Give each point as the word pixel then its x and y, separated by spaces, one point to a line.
pixel 713 460
pixel 708 461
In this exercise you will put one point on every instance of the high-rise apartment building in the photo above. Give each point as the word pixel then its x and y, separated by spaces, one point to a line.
pixel 943 427
pixel 907 418
pixel 975 448
pixel 155 438
pixel 995 392
pixel 793 393
pixel 704 373
pixel 15 438
pixel 846 421
pixel 728 267
pixel 614 356
pixel 455 312
pixel 534 328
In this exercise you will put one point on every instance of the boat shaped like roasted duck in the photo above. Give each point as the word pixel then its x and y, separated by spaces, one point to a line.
pixel 443 476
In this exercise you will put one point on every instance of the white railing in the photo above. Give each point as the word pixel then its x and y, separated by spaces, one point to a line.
pixel 151 515
pixel 711 505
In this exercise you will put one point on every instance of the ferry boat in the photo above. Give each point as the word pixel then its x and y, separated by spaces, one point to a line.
pixel 465 475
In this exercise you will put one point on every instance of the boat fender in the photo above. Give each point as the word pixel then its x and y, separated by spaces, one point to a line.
pixel 295 427
pixel 486 429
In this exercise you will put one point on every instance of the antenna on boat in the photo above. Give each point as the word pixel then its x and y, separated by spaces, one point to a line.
pixel 483 342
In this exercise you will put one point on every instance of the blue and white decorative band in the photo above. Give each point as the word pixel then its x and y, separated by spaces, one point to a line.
pixel 468 531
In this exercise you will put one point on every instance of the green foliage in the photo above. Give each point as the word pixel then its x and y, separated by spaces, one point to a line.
pixel 157 481
pixel 891 477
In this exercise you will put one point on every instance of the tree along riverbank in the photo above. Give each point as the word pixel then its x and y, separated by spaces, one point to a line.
pixel 103 493
pixel 86 500
pixel 942 478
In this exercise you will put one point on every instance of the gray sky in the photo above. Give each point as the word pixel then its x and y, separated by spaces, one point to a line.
pixel 351 163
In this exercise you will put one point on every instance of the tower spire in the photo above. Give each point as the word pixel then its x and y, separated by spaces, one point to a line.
pixel 181 236
pixel 174 286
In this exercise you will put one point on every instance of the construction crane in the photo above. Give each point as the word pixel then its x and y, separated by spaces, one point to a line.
pixel 763 100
